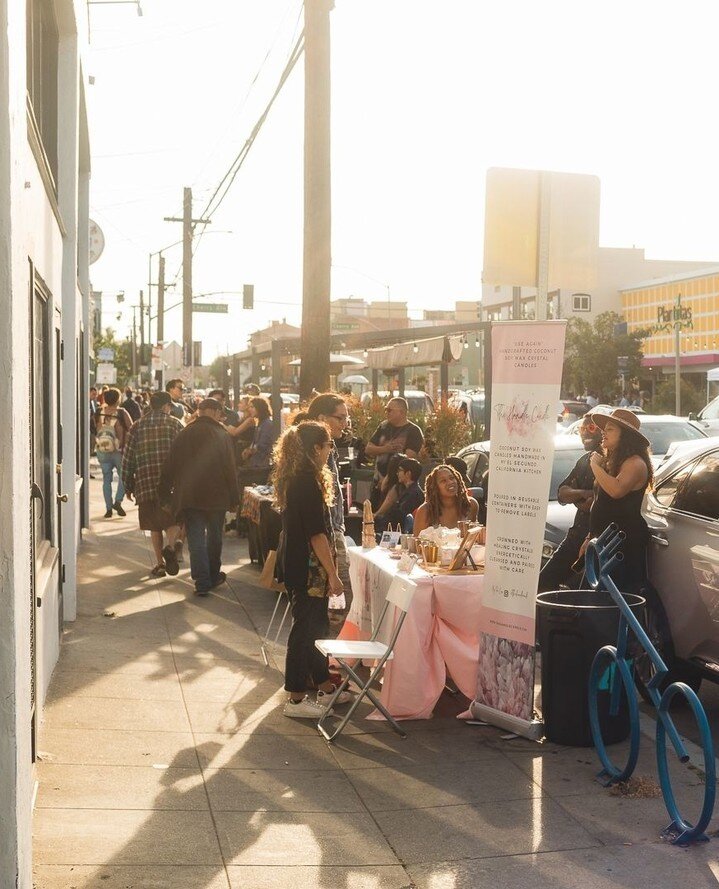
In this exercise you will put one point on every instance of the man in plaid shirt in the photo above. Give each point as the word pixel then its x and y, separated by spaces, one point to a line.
pixel 147 445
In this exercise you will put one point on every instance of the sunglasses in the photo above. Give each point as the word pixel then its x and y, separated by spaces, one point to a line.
pixel 590 427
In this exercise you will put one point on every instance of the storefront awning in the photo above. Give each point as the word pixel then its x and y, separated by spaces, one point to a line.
pixel 417 354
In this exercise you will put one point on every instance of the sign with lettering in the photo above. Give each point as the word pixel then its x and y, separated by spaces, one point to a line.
pixel 669 317
pixel 527 362
pixel 221 308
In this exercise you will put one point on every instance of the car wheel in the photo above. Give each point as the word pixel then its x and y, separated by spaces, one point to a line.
pixel 656 626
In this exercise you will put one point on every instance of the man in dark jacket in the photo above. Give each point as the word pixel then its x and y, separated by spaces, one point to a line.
pixel 577 488
pixel 131 406
pixel 199 476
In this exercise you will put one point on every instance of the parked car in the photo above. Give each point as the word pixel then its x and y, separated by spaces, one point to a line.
pixel 569 410
pixel 418 401
pixel 567 450
pixel 682 511
pixel 473 403
pixel 662 430
pixel 708 417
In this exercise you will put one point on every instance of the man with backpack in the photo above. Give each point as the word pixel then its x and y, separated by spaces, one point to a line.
pixel 112 424
pixel 148 445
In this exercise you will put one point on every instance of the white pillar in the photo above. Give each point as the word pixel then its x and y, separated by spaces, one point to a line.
pixel 68 183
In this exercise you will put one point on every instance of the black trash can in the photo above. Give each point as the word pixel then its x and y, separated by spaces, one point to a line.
pixel 572 625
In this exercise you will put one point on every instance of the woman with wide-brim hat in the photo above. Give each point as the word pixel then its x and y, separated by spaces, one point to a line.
pixel 622 474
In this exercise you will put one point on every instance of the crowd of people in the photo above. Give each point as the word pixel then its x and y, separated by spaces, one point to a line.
pixel 186 466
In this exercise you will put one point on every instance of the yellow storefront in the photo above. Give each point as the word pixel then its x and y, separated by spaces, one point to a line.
pixel 690 302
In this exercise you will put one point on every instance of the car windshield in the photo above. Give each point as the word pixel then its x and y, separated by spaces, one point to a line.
pixel 564 461
pixel 661 435
pixel 711 411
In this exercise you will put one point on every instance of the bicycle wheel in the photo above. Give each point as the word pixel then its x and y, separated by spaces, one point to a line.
pixel 683 831
pixel 611 773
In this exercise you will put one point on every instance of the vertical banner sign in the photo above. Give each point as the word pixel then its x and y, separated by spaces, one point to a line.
pixel 526 379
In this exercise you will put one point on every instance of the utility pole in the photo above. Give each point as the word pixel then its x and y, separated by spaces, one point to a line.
pixel 188 224
pixel 161 302
pixel 142 330
pixel 133 350
pixel 315 338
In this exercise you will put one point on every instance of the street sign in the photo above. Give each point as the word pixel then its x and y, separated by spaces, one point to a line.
pixel 106 373
pixel 105 354
pixel 210 307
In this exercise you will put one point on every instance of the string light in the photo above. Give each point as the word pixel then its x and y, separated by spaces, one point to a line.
pixel 415 348
pixel 466 343
pixel 476 340
pixel 365 353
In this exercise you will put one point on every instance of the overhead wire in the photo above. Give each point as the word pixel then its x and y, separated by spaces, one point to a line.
pixel 227 180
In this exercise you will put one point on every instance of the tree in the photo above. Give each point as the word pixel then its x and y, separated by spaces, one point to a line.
pixel 122 350
pixel 591 355
pixel 218 372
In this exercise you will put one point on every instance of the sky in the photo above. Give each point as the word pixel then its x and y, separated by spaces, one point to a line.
pixel 426 97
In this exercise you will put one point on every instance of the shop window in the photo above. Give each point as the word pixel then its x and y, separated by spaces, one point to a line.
pixel 42 75
pixel 41 404
pixel 581 302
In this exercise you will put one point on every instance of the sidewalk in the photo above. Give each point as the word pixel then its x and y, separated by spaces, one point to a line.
pixel 166 762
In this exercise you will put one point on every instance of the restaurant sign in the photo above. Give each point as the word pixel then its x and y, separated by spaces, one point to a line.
pixel 527 362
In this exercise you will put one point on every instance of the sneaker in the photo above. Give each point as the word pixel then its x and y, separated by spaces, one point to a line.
pixel 219 580
pixel 201 592
pixel 178 551
pixel 304 709
pixel 119 510
pixel 170 557
pixel 324 698
pixel 158 571
pixel 108 514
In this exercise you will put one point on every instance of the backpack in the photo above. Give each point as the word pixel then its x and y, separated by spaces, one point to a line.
pixel 106 441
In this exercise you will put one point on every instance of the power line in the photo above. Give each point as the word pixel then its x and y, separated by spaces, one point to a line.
pixel 227 180
pixel 239 108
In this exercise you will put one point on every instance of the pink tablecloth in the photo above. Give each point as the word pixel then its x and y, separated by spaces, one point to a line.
pixel 439 635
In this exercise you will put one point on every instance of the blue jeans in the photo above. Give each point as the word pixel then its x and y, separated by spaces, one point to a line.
pixel 204 529
pixel 108 462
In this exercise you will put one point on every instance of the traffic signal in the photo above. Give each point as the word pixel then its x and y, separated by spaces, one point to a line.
pixel 197 353
pixel 248 296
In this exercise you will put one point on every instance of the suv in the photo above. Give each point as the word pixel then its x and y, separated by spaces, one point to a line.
pixel 682 511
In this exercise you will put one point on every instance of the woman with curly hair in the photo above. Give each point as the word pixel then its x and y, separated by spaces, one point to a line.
pixel 446 501
pixel 303 493
pixel 622 474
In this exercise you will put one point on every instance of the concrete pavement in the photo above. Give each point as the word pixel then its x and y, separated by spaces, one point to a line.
pixel 166 762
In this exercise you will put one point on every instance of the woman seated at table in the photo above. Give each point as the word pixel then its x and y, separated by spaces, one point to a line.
pixel 408 496
pixel 390 487
pixel 446 501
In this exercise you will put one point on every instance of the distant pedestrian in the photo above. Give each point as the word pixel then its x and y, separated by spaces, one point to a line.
pixel 199 477
pixel 257 457
pixel 251 389
pixel 229 417
pixel 148 445
pixel 177 408
pixel 131 406
pixel 112 424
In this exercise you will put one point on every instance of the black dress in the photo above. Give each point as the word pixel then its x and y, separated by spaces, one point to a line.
pixel 630 576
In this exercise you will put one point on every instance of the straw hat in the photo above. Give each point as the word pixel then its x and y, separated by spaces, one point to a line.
pixel 622 417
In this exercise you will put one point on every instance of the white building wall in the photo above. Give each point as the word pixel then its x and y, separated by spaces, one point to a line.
pixel 32 237
pixel 15 739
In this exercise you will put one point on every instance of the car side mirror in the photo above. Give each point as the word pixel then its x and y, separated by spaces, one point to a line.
pixel 692 416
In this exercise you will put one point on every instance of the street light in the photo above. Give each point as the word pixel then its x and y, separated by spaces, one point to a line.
pixel 348 268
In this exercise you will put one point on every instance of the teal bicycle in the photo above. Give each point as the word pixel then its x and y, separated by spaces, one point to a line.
pixel 602 556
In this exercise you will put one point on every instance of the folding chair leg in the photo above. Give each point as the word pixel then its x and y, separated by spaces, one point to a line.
pixel 282 623
pixel 364 690
pixel 263 644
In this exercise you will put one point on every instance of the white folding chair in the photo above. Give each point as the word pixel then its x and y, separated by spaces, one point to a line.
pixel 265 642
pixel 399 595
